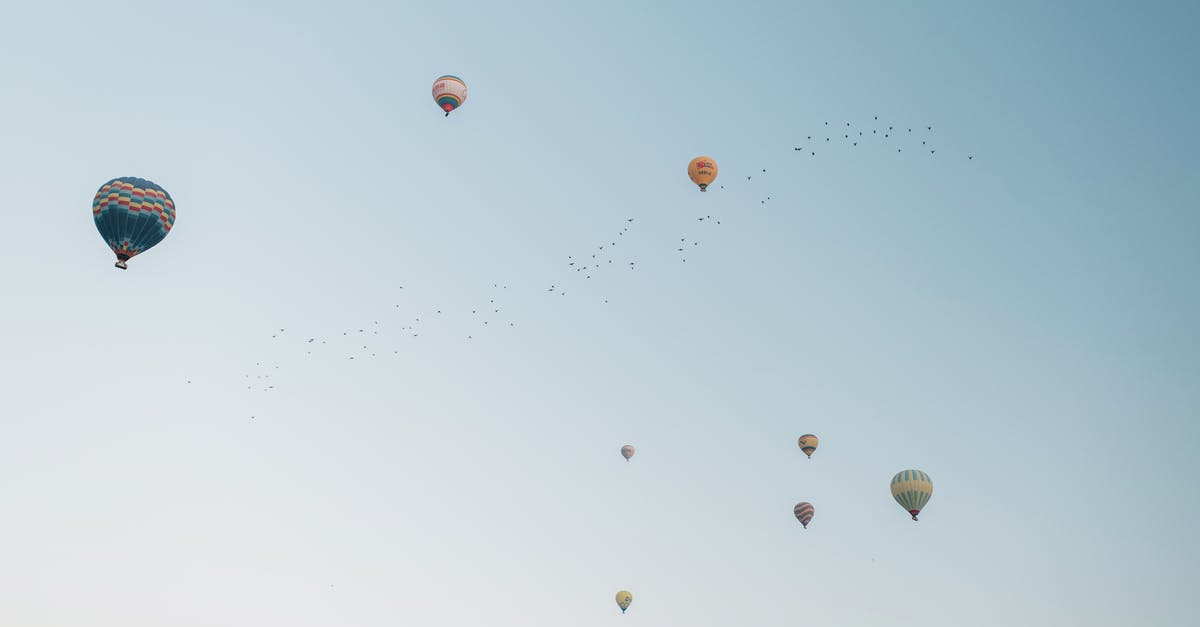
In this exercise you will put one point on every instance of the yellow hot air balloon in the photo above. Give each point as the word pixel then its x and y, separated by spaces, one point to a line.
pixel 808 443
pixel 624 598
pixel 702 171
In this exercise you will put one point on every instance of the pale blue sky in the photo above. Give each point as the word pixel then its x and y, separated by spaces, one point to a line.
pixel 1022 326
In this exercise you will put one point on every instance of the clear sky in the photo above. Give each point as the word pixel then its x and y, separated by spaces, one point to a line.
pixel 1022 325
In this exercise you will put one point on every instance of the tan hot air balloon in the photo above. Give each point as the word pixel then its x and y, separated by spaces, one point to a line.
pixel 808 444
pixel 624 599
pixel 702 171
pixel 627 451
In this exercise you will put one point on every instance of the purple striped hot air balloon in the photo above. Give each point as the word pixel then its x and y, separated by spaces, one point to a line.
pixel 804 513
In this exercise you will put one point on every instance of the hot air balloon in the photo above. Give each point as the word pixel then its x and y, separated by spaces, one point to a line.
pixel 627 451
pixel 804 513
pixel 912 489
pixel 132 216
pixel 449 92
pixel 702 171
pixel 623 600
pixel 808 444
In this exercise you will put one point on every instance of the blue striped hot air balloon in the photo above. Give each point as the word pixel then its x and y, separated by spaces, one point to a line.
pixel 912 489
pixel 132 216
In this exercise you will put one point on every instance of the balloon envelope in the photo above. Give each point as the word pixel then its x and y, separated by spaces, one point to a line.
pixel 627 451
pixel 912 489
pixel 449 92
pixel 624 598
pixel 132 216
pixel 808 443
pixel 702 171
pixel 804 513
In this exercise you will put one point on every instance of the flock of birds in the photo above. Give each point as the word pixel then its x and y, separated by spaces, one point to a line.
pixel 852 135
pixel 608 255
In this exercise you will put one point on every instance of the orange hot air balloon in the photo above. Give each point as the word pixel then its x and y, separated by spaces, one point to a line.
pixel 702 171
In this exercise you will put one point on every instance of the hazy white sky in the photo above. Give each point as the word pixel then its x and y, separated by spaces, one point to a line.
pixel 1020 325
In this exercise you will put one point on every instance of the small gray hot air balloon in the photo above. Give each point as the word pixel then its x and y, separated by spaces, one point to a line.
pixel 804 513
pixel 627 451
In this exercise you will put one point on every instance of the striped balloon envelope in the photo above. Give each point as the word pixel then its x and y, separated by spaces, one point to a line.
pixel 132 216
pixel 804 513
pixel 808 444
pixel 449 92
pixel 912 489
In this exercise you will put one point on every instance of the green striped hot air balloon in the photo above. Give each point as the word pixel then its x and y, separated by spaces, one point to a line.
pixel 912 489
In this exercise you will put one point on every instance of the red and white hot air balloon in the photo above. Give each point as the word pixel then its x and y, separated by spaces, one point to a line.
pixel 449 92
